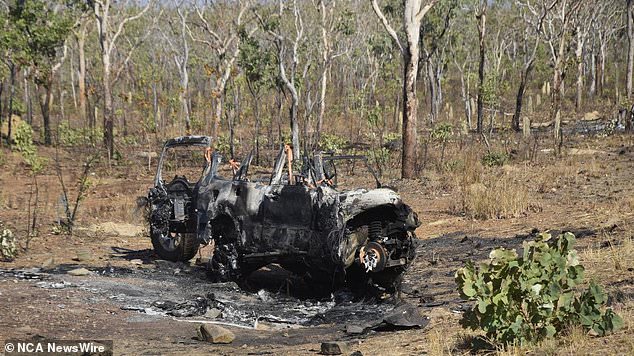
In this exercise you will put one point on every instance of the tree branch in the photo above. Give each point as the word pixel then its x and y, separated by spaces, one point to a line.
pixel 388 28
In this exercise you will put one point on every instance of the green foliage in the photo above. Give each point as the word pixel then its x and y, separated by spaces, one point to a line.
pixel 442 132
pixel 8 246
pixel 69 136
pixel 380 156
pixel 332 143
pixel 494 159
pixel 257 62
pixel 529 298
pixel 35 30
pixel 222 144
pixel 24 144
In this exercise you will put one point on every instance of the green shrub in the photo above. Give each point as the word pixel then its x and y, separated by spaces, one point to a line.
pixel 493 159
pixel 442 132
pixel 332 143
pixel 24 144
pixel 521 300
pixel 69 136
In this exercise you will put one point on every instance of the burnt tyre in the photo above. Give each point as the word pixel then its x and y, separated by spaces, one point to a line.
pixel 175 246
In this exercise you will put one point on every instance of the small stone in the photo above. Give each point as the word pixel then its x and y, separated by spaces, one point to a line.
pixel 137 261
pixel 335 348
pixel 354 329
pixel 213 313
pixel 83 255
pixel 79 272
pixel 48 263
pixel 215 334
pixel 165 264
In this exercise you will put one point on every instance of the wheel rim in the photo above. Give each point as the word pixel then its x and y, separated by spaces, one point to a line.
pixel 171 241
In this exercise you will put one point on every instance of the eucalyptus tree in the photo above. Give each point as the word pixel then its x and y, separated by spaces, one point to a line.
pixel 556 34
pixel 217 26
pixel 413 13
pixel 180 54
pixel 630 48
pixel 258 65
pixel 41 29
pixel 607 26
pixel 481 16
pixel 533 15
pixel 283 37
pixel 111 19
pixel 584 21
pixel 435 39
pixel 80 33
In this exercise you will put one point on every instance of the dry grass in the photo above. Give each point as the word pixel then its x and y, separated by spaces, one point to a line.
pixel 490 193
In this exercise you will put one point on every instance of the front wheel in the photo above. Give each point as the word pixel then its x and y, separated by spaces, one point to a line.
pixel 175 246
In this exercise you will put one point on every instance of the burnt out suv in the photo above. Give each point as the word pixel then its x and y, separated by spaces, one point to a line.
pixel 299 220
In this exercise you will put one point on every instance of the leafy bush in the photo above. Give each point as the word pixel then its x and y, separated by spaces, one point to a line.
pixel 532 297
pixel 442 132
pixel 330 142
pixel 68 136
pixel 24 144
pixel 493 159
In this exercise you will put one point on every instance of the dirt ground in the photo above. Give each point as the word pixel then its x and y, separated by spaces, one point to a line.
pixel 587 190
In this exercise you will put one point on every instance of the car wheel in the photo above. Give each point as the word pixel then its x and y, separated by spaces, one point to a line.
pixel 175 246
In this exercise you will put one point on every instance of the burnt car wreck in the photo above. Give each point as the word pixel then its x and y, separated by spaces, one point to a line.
pixel 300 221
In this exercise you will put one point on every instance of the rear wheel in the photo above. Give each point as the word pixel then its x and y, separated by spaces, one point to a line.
pixel 175 246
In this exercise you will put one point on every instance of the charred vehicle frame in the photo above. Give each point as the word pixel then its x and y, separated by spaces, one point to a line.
pixel 300 221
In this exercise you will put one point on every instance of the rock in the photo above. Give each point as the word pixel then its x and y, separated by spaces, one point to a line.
pixel 79 272
pixel 48 263
pixel 83 255
pixel 165 264
pixel 354 329
pixel 335 348
pixel 215 334
pixel 137 261
pixel 213 313
pixel 591 116
pixel 405 316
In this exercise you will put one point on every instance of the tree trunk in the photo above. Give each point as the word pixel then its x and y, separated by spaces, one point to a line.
pixel 482 33
pixel 464 92
pixel 410 103
pixel 578 55
pixel 183 99
pixel 325 54
pixel 11 95
pixel 294 124
pixel 83 111
pixel 108 120
pixel 46 94
pixel 593 75
pixel 432 91
pixel 630 48
pixel 519 99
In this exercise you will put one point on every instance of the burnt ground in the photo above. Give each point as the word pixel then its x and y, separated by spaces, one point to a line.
pixel 164 301
pixel 142 303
